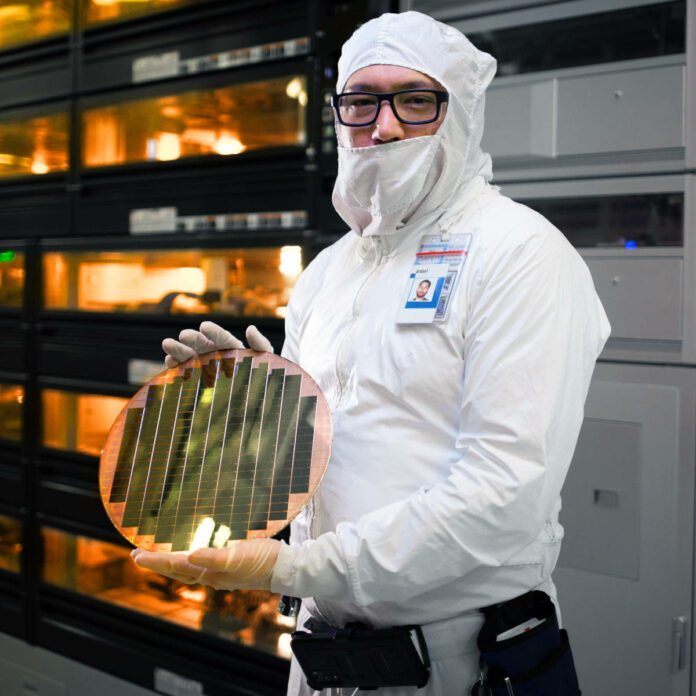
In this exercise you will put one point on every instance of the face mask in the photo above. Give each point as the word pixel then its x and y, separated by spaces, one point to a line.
pixel 379 187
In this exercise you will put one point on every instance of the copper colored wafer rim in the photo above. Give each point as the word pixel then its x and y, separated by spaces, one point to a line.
pixel 121 512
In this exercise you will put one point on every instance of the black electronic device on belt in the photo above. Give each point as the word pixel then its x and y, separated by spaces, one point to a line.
pixel 362 657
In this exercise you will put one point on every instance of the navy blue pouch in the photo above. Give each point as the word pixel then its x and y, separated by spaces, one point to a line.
pixel 535 662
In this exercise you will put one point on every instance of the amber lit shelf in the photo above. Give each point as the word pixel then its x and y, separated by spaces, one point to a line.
pixel 105 572
pixel 244 282
pixel 10 544
pixel 73 420
pixel 170 284
pixel 11 402
pixel 34 144
pixel 96 12
pixel 219 115
pixel 220 120
pixel 12 277
pixel 35 51
pixel 77 422
pixel 27 21
pixel 12 596
pixel 89 586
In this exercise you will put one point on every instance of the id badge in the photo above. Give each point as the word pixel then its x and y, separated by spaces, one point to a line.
pixel 433 278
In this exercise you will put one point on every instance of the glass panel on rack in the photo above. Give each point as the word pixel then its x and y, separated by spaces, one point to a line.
pixel 223 121
pixel 23 21
pixel 638 32
pixel 100 11
pixel 11 405
pixel 105 571
pixel 650 220
pixel 78 422
pixel 37 145
pixel 10 544
pixel 11 277
pixel 253 282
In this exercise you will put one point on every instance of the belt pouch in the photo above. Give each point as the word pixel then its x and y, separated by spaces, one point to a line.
pixel 537 662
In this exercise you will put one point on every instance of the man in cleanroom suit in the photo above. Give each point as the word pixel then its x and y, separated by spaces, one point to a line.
pixel 452 439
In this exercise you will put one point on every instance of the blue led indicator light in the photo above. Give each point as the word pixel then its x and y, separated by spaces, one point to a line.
pixel 631 244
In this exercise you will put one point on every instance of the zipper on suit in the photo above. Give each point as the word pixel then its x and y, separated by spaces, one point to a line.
pixel 354 313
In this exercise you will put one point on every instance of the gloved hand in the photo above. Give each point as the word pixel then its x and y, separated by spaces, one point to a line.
pixel 210 337
pixel 247 565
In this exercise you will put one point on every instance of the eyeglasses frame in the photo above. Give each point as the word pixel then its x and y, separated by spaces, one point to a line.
pixel 440 95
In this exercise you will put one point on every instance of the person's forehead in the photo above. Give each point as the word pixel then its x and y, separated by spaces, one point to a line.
pixel 384 77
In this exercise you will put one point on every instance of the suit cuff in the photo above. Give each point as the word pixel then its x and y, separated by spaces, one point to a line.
pixel 306 570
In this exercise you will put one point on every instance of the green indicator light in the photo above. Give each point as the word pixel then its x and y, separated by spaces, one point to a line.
pixel 6 256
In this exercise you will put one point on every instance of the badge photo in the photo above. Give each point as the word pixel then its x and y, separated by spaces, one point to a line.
pixel 423 291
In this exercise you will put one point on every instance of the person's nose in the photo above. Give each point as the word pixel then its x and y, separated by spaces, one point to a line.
pixel 387 127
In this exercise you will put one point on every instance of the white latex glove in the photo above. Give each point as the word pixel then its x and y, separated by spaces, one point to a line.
pixel 210 337
pixel 247 565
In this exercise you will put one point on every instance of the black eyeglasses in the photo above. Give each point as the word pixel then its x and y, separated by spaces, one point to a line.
pixel 411 106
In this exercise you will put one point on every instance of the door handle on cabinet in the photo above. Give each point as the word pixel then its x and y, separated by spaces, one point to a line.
pixel 679 633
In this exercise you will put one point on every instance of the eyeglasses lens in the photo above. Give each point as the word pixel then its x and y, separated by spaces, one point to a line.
pixel 358 109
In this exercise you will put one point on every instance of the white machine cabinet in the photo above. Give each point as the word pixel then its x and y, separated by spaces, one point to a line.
pixel 579 116
pixel 643 264
pixel 584 87
pixel 624 574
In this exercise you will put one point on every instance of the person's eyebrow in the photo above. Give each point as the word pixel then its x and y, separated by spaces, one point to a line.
pixel 367 87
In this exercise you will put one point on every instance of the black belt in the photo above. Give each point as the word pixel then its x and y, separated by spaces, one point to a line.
pixel 522 653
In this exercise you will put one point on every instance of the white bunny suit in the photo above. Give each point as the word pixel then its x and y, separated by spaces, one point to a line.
pixel 452 440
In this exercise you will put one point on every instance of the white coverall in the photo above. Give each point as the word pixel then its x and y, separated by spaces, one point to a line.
pixel 451 440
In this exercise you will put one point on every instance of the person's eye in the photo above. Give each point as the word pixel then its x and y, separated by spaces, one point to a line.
pixel 357 101
pixel 420 99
